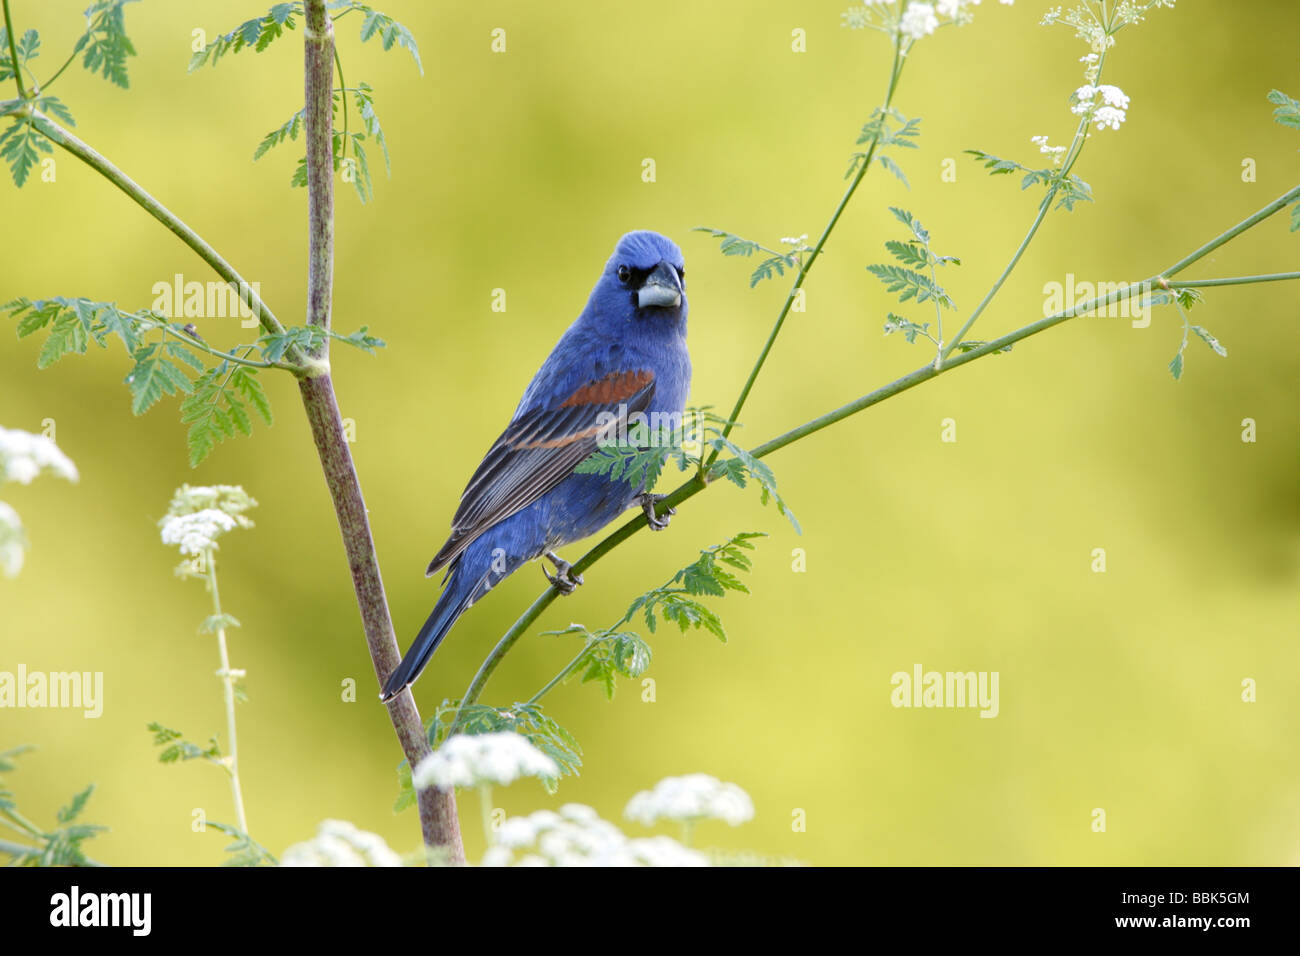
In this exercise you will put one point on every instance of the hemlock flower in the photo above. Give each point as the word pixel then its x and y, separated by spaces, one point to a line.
pixel 24 456
pixel 913 20
pixel 918 20
pixel 340 843
pixel 474 760
pixel 577 836
pixel 13 542
pixel 687 799
pixel 1109 113
pixel 198 515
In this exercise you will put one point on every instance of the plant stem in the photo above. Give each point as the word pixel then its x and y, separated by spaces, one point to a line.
pixel 318 123
pixel 13 52
pixel 806 265
pixel 438 820
pixel 227 676
pixel 696 483
pixel 1235 280
pixel 1072 157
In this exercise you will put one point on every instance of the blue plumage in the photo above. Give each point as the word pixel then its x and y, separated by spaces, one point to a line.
pixel 625 354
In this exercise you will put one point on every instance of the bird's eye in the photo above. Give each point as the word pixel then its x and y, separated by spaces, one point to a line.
pixel 624 273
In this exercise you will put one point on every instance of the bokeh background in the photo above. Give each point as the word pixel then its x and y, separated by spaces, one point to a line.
pixel 519 171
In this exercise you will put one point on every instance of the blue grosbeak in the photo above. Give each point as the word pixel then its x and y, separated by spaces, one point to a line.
pixel 625 354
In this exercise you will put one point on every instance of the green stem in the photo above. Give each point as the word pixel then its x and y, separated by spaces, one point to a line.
pixel 696 483
pixel 1072 157
pixel 806 265
pixel 227 676
pixel 198 343
pixel 564 673
pixel 13 52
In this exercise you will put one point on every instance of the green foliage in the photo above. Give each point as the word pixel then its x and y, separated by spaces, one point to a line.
pixel 613 652
pixel 526 719
pixel 389 31
pixel 61 846
pixel 105 43
pixel 216 409
pixel 774 264
pixel 257 34
pixel 1287 114
pixel 742 467
pixel 896 323
pixel 639 459
pixel 1288 110
pixel 177 749
pixel 641 455
pixel 882 134
pixel 261 32
pixel 1183 300
pixel 1067 190
pixel 218 398
pixel 244 851
pixel 23 141
pixel 904 280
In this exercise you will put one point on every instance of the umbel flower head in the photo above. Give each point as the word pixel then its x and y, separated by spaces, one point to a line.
pixel 482 759
pixel 910 20
pixel 577 836
pixel 688 799
pixel 198 515
pixel 339 843
pixel 23 456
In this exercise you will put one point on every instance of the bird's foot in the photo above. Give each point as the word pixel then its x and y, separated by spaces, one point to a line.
pixel 656 522
pixel 564 580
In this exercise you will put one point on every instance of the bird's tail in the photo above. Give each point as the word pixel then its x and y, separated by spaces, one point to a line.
pixel 454 601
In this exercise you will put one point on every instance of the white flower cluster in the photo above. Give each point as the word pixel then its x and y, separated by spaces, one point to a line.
pixel 23 456
pixel 1110 112
pixel 470 760
pixel 917 19
pixel 200 514
pixel 339 843
pixel 1056 152
pixel 694 797
pixel 577 836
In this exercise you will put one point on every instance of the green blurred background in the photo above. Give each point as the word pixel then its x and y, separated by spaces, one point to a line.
pixel 520 170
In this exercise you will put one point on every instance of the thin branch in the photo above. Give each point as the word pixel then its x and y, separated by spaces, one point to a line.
pixel 1076 149
pixel 438 819
pixel 697 482
pixel 13 52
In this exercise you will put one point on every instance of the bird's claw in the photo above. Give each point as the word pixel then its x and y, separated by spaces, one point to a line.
pixel 656 522
pixel 563 580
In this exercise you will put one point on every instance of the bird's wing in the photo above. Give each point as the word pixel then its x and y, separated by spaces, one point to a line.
pixel 537 452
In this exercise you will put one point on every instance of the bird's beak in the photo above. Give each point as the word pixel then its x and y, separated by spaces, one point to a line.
pixel 661 288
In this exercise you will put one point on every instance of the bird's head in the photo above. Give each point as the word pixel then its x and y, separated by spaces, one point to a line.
pixel 646 275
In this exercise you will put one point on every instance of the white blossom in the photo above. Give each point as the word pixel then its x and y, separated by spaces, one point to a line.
pixel 13 542
pixel 696 796
pixel 23 456
pixel 469 760
pixel 339 843
pixel 1109 113
pixel 577 836
pixel 918 20
pixel 199 514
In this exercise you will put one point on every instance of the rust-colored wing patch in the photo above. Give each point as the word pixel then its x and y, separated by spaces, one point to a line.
pixel 613 388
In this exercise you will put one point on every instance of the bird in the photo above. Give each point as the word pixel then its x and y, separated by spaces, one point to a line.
pixel 625 355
